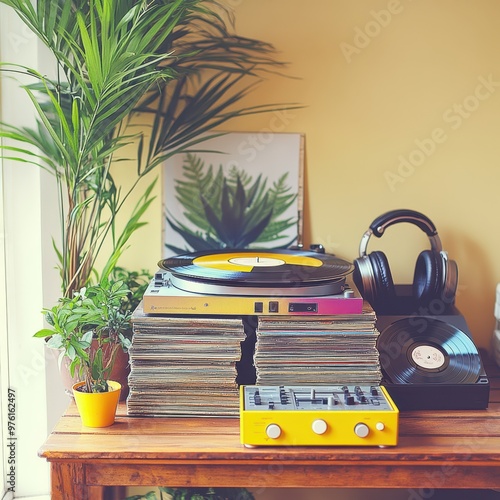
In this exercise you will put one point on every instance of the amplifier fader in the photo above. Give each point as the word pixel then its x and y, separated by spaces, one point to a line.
pixel 348 415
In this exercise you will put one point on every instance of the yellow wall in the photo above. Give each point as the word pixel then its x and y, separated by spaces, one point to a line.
pixel 381 79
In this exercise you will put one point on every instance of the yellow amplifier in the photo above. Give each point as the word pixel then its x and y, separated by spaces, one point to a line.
pixel 348 415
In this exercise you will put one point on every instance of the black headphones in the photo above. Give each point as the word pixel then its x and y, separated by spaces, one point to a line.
pixel 436 277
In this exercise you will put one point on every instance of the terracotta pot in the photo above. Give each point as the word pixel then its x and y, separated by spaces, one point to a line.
pixel 97 409
pixel 120 372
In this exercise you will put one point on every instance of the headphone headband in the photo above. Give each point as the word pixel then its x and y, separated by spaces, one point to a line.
pixel 381 223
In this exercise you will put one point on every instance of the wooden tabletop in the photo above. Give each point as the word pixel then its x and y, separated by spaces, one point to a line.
pixel 458 449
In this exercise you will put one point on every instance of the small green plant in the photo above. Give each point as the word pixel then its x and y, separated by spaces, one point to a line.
pixel 230 211
pixel 136 282
pixel 196 494
pixel 89 328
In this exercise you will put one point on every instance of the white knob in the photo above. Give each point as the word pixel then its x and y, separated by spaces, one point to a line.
pixel 319 426
pixel 361 430
pixel 273 431
pixel 380 426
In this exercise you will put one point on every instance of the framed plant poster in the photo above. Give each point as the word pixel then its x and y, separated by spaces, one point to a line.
pixel 238 190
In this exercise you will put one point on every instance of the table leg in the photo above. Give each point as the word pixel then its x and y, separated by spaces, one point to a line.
pixel 68 481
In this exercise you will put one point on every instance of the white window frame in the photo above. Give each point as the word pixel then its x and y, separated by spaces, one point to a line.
pixel 4 360
pixel 28 279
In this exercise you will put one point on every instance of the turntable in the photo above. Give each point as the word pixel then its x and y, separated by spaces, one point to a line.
pixel 250 282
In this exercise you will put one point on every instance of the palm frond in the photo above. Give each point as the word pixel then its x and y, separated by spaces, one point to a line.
pixel 176 61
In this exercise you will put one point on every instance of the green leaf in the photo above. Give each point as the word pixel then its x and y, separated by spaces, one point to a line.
pixel 55 342
pixel 97 365
pixel 87 337
pixel 71 353
pixel 44 333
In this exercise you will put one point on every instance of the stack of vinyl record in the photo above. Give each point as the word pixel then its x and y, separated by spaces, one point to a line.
pixel 184 365
pixel 308 350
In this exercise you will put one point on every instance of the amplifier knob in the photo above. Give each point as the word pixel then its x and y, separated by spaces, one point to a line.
pixel 319 426
pixel 361 430
pixel 273 431
pixel 380 426
pixel 349 400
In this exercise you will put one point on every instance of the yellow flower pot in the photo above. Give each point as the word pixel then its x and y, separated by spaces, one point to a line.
pixel 97 409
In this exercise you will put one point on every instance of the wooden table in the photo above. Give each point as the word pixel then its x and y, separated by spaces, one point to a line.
pixel 436 449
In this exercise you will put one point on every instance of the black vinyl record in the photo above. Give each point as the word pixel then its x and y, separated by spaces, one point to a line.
pixel 258 267
pixel 440 354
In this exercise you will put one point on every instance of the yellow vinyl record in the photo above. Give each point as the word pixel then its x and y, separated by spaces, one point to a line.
pixel 253 261
pixel 259 267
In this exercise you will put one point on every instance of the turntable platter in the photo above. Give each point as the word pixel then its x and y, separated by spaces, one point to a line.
pixel 245 269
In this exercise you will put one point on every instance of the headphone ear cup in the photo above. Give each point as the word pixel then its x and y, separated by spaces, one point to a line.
pixel 450 282
pixel 428 277
pixel 363 278
pixel 357 274
pixel 382 276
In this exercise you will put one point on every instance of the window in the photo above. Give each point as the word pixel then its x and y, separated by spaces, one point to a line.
pixel 3 356
pixel 23 242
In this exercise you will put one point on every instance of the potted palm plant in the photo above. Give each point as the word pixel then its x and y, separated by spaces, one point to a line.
pixel 175 62
pixel 89 329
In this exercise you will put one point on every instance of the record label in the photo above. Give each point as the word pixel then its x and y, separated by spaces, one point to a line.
pixel 257 261
pixel 428 357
